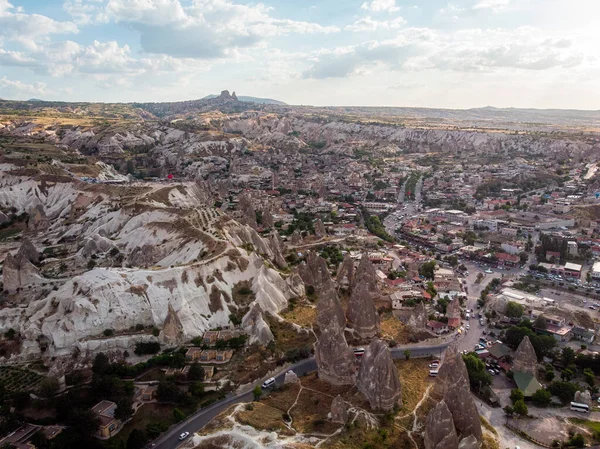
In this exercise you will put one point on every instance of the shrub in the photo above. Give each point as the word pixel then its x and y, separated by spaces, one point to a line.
pixel 108 332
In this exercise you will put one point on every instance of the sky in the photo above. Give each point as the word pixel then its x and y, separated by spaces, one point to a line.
pixel 428 53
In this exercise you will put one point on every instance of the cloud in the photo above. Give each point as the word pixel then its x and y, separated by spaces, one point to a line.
pixel 473 50
pixel 29 29
pixel 369 24
pixel 406 86
pixel 494 5
pixel 380 6
pixel 203 29
pixel 18 87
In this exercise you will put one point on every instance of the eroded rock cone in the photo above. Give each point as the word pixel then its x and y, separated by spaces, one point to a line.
pixel 583 397
pixel 335 359
pixel 339 410
pixel 296 238
pixel 290 378
pixel 276 249
pixel 320 231
pixel 452 385
pixel 267 218
pixel 330 309
pixel 440 432
pixel 365 274
pixel 256 327
pixel 453 309
pixel 28 251
pixel 419 318
pixel 172 330
pixel 38 221
pixel 247 211
pixel 19 272
pixel 345 273
pixel 525 360
pixel 314 272
pixel 361 312
pixel 469 442
pixel 378 377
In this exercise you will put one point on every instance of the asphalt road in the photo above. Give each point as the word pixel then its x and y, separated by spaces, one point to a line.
pixel 201 418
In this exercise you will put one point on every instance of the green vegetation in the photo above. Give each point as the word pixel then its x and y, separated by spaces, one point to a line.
pixel 375 227
pixel 478 374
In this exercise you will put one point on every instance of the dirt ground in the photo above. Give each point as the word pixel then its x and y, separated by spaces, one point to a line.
pixel 544 430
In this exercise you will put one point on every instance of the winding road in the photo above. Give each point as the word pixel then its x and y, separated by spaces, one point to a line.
pixel 202 417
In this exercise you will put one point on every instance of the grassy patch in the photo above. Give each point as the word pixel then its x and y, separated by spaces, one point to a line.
pixel 16 379
pixel 286 336
pixel 262 417
pixel 302 315
pixel 414 375
pixel 489 442
pixel 488 426
pixel 593 426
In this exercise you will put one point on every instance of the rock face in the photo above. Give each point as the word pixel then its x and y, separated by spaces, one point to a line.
pixel 418 319
pixel 525 359
pixel 339 410
pixel 314 272
pixel 37 219
pixel 335 360
pixel 28 251
pixel 172 330
pixel 583 397
pixel 453 386
pixel 296 238
pixel 453 309
pixel 267 218
pixel 345 273
pixel 3 218
pixel 320 231
pixel 469 442
pixel 378 377
pixel 330 309
pixel 290 378
pixel 361 313
pixel 440 432
pixel 247 211
pixel 256 327
pixel 275 245
pixel 365 274
pixel 19 272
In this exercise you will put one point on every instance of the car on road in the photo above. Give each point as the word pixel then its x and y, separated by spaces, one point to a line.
pixel 468 327
pixel 434 365
pixel 269 382
pixel 183 436
pixel 492 372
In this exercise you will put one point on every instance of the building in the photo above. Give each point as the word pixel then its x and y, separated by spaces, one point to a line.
pixel 583 334
pixel 527 383
pixel 437 327
pixel 507 260
pixel 210 337
pixel 572 248
pixel 596 271
pixel 109 425
pixel 572 270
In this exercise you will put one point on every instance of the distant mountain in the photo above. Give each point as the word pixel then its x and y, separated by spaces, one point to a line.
pixel 35 99
pixel 251 99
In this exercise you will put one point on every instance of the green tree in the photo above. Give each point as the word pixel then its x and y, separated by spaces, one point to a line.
pixel 590 378
pixel 520 408
pixel 568 356
pixel 196 372
pixel 478 375
pixel 137 439
pixel 197 389
pixel 566 374
pixel 84 420
pixel 407 354
pixel 178 415
pixel 101 364
pixel 257 392
pixel 427 270
pixel 542 398
pixel 516 395
pixel 577 440
pixel 508 410
pixel 514 310
pixel 124 409
pixel 49 387
pixel 540 323
pixel 549 375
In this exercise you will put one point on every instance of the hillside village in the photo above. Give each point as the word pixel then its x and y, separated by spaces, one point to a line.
pixel 428 286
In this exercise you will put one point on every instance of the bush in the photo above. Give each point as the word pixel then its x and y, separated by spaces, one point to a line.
pixel 108 332
pixel 151 347
pixel 520 408
pixel 542 398
pixel 178 415
pixel 577 440
pixel 516 395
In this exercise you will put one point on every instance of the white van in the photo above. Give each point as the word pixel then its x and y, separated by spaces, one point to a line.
pixel 267 383
pixel 433 372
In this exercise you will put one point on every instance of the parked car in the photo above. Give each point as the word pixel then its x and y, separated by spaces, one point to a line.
pixel 269 382
pixel 184 435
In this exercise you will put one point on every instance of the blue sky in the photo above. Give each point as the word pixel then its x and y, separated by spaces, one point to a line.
pixel 457 54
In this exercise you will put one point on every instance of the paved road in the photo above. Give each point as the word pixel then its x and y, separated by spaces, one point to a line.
pixel 201 418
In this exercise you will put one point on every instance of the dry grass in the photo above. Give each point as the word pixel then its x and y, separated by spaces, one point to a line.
pixel 302 315
pixel 262 417
pixel 392 328
pixel 489 442
pixel 286 336
pixel 487 425
pixel 414 375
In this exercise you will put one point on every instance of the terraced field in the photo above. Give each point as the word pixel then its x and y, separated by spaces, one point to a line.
pixel 16 380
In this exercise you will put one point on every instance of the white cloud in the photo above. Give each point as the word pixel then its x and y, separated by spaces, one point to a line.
pixel 369 24
pixel 29 29
pixel 464 51
pixel 494 5
pixel 18 87
pixel 202 29
pixel 380 6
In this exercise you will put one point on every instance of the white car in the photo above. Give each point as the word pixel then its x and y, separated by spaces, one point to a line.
pixel 468 327
pixel 267 383
pixel 183 436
